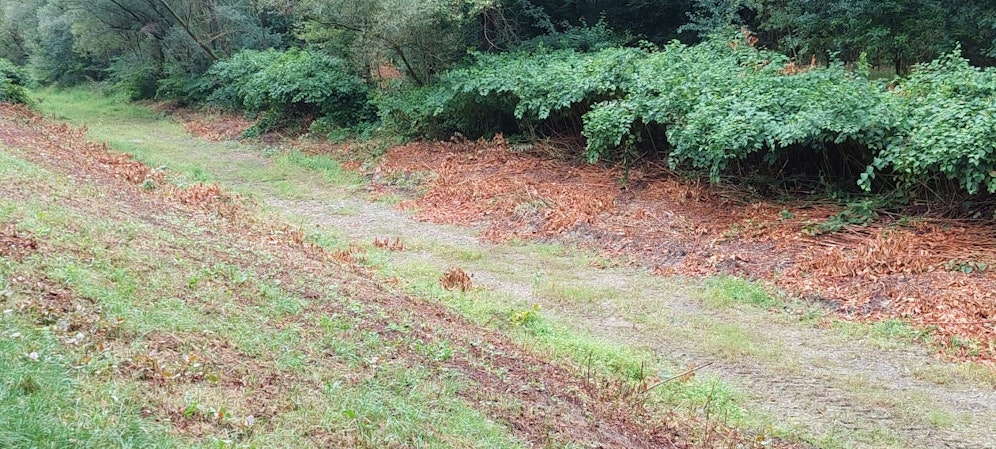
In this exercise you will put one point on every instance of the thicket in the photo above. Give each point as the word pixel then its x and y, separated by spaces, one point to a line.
pixel 537 68
pixel 946 114
pixel 285 87
pixel 12 80
pixel 724 105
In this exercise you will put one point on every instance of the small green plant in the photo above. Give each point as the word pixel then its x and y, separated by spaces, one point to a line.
pixel 524 317
pixel 969 347
pixel 861 213
pixel 966 266
pixel 728 290
pixel 439 351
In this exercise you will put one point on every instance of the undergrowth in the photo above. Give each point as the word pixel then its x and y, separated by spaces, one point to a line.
pixel 726 107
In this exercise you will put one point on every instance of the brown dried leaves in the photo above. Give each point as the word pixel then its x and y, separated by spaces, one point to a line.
pixel 455 278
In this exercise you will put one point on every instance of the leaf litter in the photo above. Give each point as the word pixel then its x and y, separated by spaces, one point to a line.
pixel 930 273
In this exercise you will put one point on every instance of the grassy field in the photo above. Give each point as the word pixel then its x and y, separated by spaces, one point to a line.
pixel 128 323
pixel 307 318
pixel 160 312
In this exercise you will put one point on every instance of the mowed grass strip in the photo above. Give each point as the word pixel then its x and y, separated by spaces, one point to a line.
pixel 136 325
pixel 180 326
pixel 284 176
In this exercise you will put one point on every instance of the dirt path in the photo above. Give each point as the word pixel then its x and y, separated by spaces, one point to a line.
pixel 840 390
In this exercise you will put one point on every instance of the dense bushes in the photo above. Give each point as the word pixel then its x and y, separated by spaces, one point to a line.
pixel 723 103
pixel 12 82
pixel 285 85
pixel 500 92
pixel 947 111
pixel 711 106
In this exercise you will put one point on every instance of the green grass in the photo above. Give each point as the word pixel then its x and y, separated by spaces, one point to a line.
pixel 50 402
pixel 559 340
pixel 161 143
pixel 885 335
pixel 734 307
pixel 727 291
pixel 575 292
pixel 46 402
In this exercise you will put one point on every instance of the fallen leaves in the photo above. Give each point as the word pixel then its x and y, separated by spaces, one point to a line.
pixel 456 279
pixel 923 272
pixel 388 244
pixel 15 244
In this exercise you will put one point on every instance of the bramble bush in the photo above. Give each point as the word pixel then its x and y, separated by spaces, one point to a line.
pixel 12 81
pixel 947 110
pixel 725 103
pixel 528 90
pixel 283 86
pixel 716 106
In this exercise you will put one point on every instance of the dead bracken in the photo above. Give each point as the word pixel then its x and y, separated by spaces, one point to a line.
pixel 932 273
pixel 456 279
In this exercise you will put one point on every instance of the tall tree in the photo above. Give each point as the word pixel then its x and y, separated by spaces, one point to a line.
pixel 892 33
pixel 422 36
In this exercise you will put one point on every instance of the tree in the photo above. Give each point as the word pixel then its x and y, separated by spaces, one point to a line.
pixel 892 33
pixel 422 36
pixel 18 29
pixel 712 16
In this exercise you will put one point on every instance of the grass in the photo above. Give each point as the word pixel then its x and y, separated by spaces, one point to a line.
pixel 44 403
pixel 160 143
pixel 958 374
pixel 552 336
pixel 727 328
pixel 884 335
pixel 52 401
pixel 575 292
pixel 727 291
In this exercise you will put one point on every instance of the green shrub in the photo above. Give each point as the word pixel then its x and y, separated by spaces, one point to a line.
pixel 948 120
pixel 724 101
pixel 407 112
pixel 581 37
pixel 182 87
pixel 12 81
pixel 521 91
pixel 715 103
pixel 723 104
pixel 135 76
pixel 282 86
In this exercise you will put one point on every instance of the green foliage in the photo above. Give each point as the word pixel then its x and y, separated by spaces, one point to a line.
pixel 288 85
pixel 12 80
pixel 719 102
pixel 54 59
pixel 724 104
pixel 407 112
pixel 725 101
pixel 965 266
pixel 712 16
pixel 861 213
pixel 948 113
pixel 420 37
pixel 135 77
pixel 524 317
pixel 582 37
pixel 519 91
